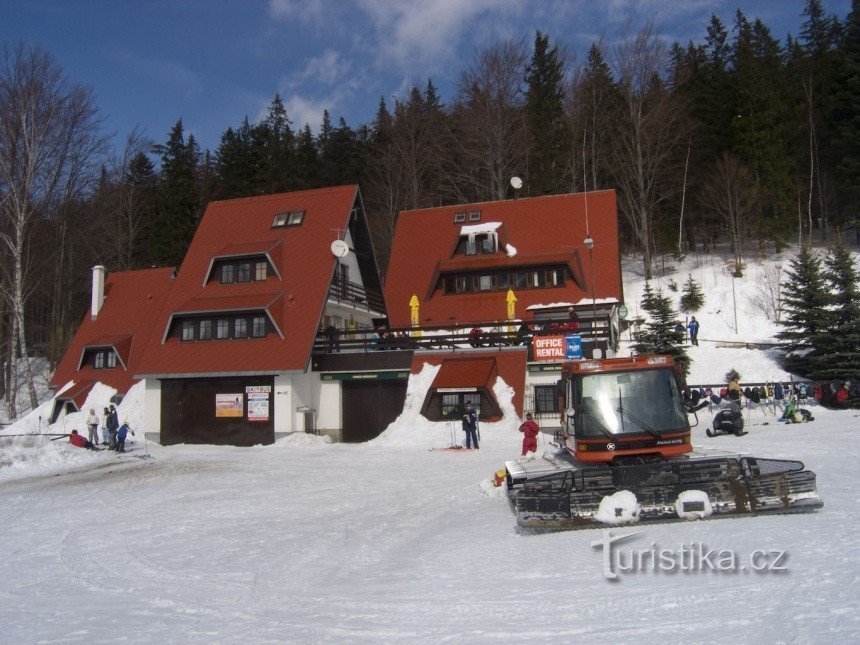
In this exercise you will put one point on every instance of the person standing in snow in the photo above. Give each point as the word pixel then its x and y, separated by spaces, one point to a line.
pixel 693 326
pixel 121 434
pixel 93 425
pixel 112 425
pixel 530 431
pixel 470 425
pixel 105 433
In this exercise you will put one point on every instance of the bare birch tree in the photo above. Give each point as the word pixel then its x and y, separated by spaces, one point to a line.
pixel 489 126
pixel 49 138
pixel 647 129
pixel 731 192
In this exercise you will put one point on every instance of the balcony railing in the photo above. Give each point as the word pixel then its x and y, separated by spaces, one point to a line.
pixel 352 293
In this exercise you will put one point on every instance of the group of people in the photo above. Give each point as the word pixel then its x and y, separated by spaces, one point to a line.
pixel 113 434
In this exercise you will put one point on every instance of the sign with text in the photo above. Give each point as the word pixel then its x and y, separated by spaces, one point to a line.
pixel 228 405
pixel 557 348
pixel 258 406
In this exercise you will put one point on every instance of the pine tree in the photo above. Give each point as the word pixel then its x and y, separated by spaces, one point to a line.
pixel 548 127
pixel 692 298
pixel 661 334
pixel 178 201
pixel 806 316
pixel 307 159
pixel 838 355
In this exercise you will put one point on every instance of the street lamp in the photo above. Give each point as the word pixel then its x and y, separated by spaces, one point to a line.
pixel 588 242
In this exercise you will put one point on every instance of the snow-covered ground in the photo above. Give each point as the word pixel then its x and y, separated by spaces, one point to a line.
pixel 380 543
pixel 393 540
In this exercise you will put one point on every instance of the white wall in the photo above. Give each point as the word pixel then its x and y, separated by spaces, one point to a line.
pixel 295 392
pixel 152 409
pixel 283 404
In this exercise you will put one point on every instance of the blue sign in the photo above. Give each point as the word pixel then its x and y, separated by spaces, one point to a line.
pixel 574 346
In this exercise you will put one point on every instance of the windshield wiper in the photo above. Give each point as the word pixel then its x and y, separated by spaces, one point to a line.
pixel 639 422
pixel 603 429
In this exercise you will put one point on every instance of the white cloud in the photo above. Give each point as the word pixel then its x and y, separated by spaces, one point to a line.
pixel 305 11
pixel 329 68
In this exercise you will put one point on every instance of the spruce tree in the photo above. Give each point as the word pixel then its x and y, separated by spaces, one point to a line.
pixel 548 128
pixel 838 351
pixel 660 334
pixel 178 201
pixel 806 316
pixel 692 298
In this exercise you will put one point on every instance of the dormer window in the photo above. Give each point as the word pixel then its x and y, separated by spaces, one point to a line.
pixel 244 272
pixel 474 244
pixel 260 270
pixel 228 274
pixel 475 216
pixel 459 218
pixel 288 218
pixel 99 362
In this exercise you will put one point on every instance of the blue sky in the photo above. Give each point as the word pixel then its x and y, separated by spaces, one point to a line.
pixel 212 62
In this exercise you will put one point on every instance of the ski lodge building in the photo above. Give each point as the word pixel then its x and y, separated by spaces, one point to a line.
pixel 276 322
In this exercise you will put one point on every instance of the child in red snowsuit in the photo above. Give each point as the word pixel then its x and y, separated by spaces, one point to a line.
pixel 530 429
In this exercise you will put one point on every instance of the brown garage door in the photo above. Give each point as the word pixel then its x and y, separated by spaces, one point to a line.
pixel 188 412
pixel 369 406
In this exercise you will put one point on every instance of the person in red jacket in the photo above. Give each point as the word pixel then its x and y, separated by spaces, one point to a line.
pixel 843 394
pixel 530 429
pixel 80 441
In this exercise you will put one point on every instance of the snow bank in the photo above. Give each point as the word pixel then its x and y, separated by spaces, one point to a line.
pixel 693 497
pixel 411 428
pixel 25 456
pixel 303 439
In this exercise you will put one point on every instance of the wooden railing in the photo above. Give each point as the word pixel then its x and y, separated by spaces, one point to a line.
pixel 354 293
pixel 449 337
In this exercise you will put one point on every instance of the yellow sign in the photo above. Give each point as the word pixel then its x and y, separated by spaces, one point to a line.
pixel 414 316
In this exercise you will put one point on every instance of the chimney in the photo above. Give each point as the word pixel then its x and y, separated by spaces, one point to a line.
pixel 98 290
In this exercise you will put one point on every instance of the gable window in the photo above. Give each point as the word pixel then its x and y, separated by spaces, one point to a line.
pixel 260 270
pixel 205 330
pixel 111 359
pixel 459 218
pixel 244 272
pixel 228 274
pixel 280 220
pixel 258 327
pixel 240 328
pixel 475 216
pixel 187 330
pixel 99 363
pixel 222 329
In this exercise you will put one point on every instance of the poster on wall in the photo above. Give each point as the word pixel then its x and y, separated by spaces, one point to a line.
pixel 557 348
pixel 228 405
pixel 258 406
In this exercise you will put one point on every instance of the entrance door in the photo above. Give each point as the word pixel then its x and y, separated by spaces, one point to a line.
pixel 369 406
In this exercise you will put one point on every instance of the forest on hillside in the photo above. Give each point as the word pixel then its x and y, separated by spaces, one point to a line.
pixel 735 139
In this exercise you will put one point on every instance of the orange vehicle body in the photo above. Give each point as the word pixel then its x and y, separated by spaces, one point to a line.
pixel 672 442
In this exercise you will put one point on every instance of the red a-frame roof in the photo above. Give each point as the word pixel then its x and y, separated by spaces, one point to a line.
pixel 133 302
pixel 294 299
pixel 542 229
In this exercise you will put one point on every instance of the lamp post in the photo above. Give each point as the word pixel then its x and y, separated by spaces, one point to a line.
pixel 588 242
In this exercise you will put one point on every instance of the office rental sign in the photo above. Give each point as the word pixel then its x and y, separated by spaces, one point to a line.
pixel 557 348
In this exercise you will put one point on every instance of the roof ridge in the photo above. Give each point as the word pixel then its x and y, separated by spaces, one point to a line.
pixel 505 201
pixel 280 195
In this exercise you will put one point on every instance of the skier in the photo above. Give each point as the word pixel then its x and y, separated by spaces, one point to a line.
pixel 470 425
pixel 80 441
pixel 530 431
pixel 844 393
pixel 693 326
pixel 121 434
pixel 93 425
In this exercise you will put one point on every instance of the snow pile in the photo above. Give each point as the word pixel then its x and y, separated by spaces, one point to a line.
pixel 511 250
pixel 303 440
pixel 618 508
pixel 24 456
pixel 411 428
pixel 693 497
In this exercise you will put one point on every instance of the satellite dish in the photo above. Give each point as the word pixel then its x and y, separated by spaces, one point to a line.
pixel 516 182
pixel 339 248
